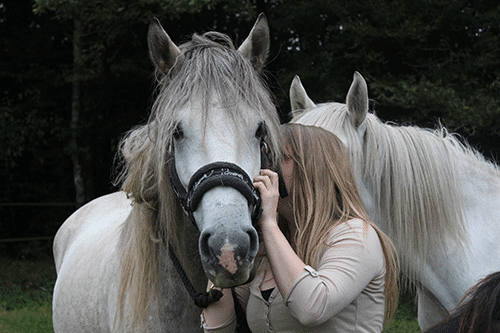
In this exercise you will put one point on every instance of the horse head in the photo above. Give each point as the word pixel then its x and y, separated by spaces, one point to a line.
pixel 347 121
pixel 214 121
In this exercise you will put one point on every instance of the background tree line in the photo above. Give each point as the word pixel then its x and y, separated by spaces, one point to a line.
pixel 75 76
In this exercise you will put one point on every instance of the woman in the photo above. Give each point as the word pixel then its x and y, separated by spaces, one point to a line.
pixel 324 266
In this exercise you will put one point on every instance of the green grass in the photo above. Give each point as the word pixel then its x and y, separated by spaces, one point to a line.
pixel 31 318
pixel 26 288
pixel 26 295
pixel 405 319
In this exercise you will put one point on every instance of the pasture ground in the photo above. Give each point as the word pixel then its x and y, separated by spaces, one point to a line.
pixel 26 292
pixel 25 295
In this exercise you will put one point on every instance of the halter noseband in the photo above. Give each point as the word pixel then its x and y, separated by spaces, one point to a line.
pixel 210 176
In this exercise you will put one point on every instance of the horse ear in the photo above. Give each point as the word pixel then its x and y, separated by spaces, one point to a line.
pixel 357 100
pixel 298 97
pixel 256 47
pixel 162 51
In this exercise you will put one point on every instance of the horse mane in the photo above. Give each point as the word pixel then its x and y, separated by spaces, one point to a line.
pixel 211 69
pixel 142 232
pixel 413 176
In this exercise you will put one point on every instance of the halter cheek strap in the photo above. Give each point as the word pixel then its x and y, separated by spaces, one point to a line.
pixel 179 190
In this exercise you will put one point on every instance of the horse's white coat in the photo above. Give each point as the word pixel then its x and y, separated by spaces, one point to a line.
pixel 86 246
pixel 93 230
pixel 85 294
pixel 447 270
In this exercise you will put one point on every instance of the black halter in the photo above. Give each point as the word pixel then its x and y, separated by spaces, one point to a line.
pixel 210 176
pixel 222 174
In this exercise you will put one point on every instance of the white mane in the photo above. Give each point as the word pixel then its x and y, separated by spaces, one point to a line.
pixel 412 174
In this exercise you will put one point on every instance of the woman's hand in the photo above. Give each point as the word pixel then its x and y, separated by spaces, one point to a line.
pixel 267 183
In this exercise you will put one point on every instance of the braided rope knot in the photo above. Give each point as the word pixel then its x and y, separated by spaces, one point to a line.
pixel 203 300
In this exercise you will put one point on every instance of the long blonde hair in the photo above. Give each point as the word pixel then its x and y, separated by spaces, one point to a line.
pixel 324 194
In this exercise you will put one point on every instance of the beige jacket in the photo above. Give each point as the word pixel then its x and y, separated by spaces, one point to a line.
pixel 345 293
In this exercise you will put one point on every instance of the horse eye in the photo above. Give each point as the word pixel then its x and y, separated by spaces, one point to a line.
pixel 261 132
pixel 178 133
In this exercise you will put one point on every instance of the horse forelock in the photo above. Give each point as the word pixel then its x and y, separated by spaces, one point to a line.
pixel 334 117
pixel 413 177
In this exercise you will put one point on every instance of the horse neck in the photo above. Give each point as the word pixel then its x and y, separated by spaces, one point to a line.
pixel 148 273
pixel 478 175
pixel 480 188
pixel 415 193
pixel 185 246
pixel 179 313
pixel 139 241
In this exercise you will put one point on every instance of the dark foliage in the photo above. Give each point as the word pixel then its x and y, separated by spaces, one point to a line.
pixel 424 62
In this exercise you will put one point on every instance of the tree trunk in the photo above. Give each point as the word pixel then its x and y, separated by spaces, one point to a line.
pixel 76 108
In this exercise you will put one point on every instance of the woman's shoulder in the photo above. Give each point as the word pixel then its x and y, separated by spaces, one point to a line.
pixel 355 230
pixel 355 223
pixel 360 236
pixel 352 225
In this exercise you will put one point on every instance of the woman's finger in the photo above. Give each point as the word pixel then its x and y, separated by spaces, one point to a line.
pixel 271 174
pixel 259 186
pixel 263 179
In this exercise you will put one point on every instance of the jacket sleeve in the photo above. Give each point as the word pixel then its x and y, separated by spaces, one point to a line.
pixel 352 259
pixel 227 327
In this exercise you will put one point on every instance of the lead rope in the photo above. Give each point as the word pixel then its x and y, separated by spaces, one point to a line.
pixel 201 300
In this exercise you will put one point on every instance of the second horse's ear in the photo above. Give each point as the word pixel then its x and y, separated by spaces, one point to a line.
pixel 299 100
pixel 163 52
pixel 256 47
pixel 357 100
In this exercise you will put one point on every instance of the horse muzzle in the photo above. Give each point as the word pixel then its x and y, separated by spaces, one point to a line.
pixel 228 256
pixel 229 245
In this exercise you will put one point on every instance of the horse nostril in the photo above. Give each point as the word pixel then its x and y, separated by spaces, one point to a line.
pixel 254 242
pixel 204 247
